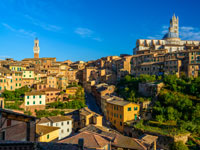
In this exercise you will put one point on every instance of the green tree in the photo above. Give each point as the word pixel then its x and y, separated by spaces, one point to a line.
pixel 179 146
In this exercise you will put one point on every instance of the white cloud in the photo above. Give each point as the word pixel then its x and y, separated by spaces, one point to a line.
pixel 98 39
pixel 87 33
pixel 43 25
pixel 19 31
pixel 189 33
pixel 3 57
pixel 186 28
pixel 84 32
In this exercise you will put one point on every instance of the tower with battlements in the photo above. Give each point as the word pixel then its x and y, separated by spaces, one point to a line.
pixel 36 48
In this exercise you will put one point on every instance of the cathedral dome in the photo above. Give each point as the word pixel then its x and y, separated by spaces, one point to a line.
pixel 170 35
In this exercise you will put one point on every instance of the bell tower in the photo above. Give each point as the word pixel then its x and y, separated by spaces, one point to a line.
pixel 174 25
pixel 36 48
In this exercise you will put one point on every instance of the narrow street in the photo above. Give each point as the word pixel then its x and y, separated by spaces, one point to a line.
pixel 92 105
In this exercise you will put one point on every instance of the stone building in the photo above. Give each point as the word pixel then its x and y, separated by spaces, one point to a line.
pixel 63 123
pixel 35 100
pixel 171 55
pixel 52 94
pixel 16 126
pixel 102 89
pixel 84 117
pixel 121 111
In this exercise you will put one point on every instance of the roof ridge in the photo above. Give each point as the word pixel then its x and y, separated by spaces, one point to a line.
pixel 139 143
pixel 50 119
pixel 96 139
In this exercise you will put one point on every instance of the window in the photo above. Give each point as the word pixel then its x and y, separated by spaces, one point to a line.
pixel 33 102
pixel 11 87
pixel 16 84
pixel 20 84
pixel 114 121
pixel 29 75
pixel 2 135
pixel 47 136
pixel 135 108
pixel 67 122
pixel 67 130
pixel 40 96
pixel 16 79
pixel 40 102
pixel 34 96
pixel 129 109
pixel 24 75
pixel 62 123
pixel 120 123
pixel 27 103
pixel 11 80
pixel 27 97
pixel 61 131
pixel 0 87
pixel 120 116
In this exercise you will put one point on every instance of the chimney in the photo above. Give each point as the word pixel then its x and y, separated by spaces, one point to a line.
pixel 80 144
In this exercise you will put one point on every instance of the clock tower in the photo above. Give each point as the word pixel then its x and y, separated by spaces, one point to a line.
pixel 36 48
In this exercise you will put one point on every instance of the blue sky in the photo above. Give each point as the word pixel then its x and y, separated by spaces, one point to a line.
pixel 89 29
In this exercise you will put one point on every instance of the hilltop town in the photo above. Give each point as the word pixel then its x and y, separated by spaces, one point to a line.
pixel 145 101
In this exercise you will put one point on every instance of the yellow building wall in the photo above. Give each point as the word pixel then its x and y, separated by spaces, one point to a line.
pixel 52 136
pixel 17 68
pixel 71 91
pixel 118 115
pixel 28 74
pixel 130 115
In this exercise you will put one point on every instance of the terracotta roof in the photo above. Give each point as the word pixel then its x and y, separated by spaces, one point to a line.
pixel 50 89
pixel 118 102
pixel 87 111
pixel 42 130
pixel 34 93
pixel 128 143
pixel 7 112
pixel 91 140
pixel 58 118
pixel 148 139
pixel 4 70
pixel 53 119
pixel 43 120
pixel 116 139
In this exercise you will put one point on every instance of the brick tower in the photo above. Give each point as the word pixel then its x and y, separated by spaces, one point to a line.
pixel 36 48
